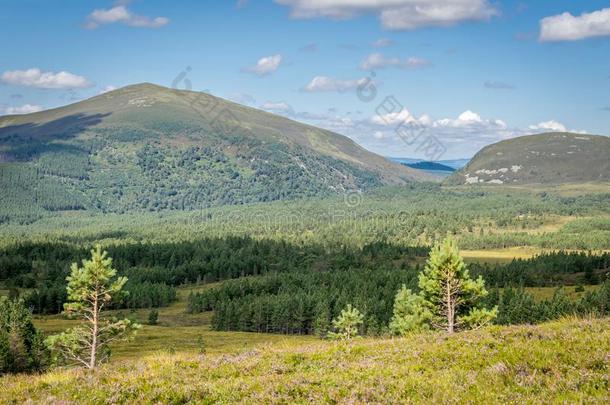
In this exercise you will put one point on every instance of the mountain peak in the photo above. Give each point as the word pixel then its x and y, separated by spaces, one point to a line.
pixel 154 148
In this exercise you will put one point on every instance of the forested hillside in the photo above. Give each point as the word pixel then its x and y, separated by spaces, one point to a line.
pixel 405 216
pixel 147 148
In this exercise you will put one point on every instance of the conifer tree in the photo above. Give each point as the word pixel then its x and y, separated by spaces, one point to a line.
pixel 347 323
pixel 22 347
pixel 321 323
pixel 91 288
pixel 449 293
pixel 153 316
pixel 410 313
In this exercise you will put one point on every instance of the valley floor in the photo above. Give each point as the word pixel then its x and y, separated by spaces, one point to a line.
pixel 567 361
pixel 178 330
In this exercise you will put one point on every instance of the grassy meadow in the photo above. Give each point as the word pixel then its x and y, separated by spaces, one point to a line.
pixel 176 330
pixel 179 331
pixel 566 361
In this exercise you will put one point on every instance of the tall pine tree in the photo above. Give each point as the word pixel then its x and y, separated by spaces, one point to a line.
pixel 91 288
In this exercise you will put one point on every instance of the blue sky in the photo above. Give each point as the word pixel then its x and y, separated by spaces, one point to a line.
pixel 468 72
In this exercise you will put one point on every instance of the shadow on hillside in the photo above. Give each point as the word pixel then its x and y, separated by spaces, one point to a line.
pixel 28 141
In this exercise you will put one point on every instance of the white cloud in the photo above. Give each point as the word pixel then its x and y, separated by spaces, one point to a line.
pixel 469 116
pixel 277 107
pixel 378 61
pixel 461 136
pixel 383 43
pixel 327 84
pixel 107 89
pixel 45 80
pixel 394 118
pixel 471 121
pixel 551 125
pixel 566 27
pixel 121 14
pixel 464 120
pixel 396 14
pixel 24 109
pixel 420 13
pixel 265 65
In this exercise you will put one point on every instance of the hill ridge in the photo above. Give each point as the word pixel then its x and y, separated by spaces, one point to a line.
pixel 547 158
pixel 148 147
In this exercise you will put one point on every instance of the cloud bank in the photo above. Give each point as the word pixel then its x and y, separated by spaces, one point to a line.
pixel 566 27
pixel 396 14
pixel 35 77
pixel 24 109
pixel 121 14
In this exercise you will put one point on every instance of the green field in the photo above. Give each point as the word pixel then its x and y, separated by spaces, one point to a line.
pixel 558 362
pixel 178 330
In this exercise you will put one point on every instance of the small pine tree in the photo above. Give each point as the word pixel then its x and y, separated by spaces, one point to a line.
pixel 410 313
pixel 153 317
pixel 91 289
pixel 448 292
pixel 448 297
pixel 346 325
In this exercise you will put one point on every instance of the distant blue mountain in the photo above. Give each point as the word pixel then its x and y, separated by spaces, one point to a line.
pixel 455 164
pixel 435 166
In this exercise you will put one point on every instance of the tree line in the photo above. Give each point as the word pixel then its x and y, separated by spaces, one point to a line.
pixel 517 306
pixel 546 270
pixel 307 302
pixel 155 269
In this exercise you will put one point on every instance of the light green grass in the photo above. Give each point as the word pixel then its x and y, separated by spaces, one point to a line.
pixel 176 330
pixel 546 293
pixel 560 362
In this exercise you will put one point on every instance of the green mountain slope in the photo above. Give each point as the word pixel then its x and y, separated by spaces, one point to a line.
pixel 550 158
pixel 146 147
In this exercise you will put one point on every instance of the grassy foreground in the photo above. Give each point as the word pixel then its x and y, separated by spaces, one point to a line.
pixel 561 362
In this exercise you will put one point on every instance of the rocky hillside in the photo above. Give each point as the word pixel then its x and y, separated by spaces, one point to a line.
pixel 550 158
